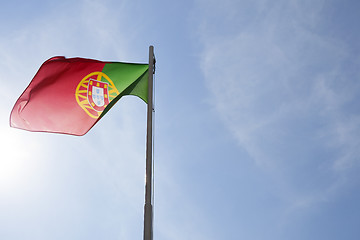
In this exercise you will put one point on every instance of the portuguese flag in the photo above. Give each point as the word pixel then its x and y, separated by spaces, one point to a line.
pixel 69 95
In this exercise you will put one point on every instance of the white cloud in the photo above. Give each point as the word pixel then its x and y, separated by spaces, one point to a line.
pixel 278 85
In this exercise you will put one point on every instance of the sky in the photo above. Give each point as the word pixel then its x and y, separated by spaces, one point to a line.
pixel 257 121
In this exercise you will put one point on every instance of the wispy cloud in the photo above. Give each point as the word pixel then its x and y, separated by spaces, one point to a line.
pixel 279 83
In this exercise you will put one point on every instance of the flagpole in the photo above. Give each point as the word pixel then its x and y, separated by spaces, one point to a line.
pixel 148 211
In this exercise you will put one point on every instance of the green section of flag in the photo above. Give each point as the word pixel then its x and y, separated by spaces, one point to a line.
pixel 129 79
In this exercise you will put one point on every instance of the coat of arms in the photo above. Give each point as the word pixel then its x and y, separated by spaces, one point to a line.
pixel 98 96
pixel 94 93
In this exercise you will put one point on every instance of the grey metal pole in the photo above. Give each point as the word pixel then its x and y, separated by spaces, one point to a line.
pixel 148 211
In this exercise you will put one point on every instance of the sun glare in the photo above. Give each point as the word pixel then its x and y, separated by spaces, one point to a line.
pixel 17 148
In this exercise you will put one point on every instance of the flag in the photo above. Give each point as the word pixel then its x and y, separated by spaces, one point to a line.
pixel 69 95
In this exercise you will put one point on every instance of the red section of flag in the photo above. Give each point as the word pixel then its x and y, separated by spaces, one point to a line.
pixel 48 104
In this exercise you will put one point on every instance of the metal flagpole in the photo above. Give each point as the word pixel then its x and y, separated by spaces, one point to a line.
pixel 148 211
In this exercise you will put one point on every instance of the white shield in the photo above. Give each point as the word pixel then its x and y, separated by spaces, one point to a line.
pixel 98 96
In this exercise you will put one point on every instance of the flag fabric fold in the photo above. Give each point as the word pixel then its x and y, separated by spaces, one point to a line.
pixel 69 95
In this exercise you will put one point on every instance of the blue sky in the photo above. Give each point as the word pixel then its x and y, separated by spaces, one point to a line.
pixel 256 126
